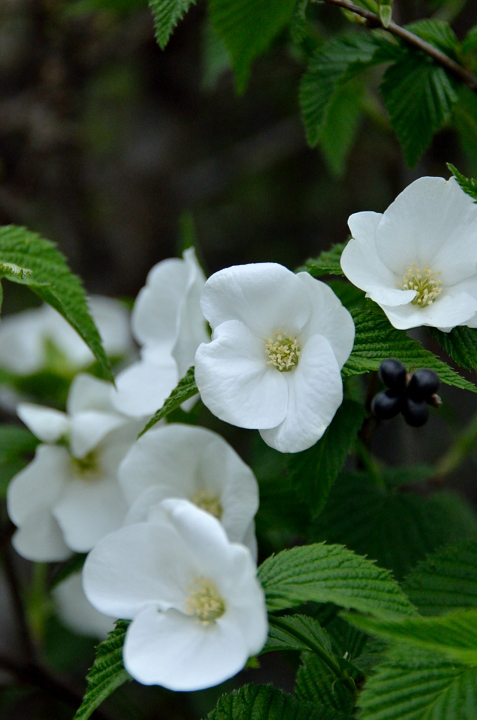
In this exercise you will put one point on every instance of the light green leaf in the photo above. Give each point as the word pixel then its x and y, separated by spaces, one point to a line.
pixel 248 28
pixel 185 389
pixel 420 685
pixel 107 673
pixel 296 632
pixel 264 702
pixel 454 635
pixel 314 471
pixel 15 271
pixel 394 528
pixel 167 13
pixel 447 580
pixel 468 185
pixel 376 340
pixel 438 33
pixel 53 281
pixel 331 573
pixel 419 96
pixel 338 131
pixel 327 262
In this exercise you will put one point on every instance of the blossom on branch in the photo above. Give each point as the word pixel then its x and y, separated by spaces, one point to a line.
pixel 418 260
pixel 197 609
pixel 183 461
pixel 278 345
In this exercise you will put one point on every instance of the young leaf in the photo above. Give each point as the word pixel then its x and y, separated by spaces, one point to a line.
pixel 468 185
pixel 264 702
pixel 419 685
pixel 247 29
pixel 107 673
pixel 419 96
pixel 447 580
pixel 166 14
pixel 327 262
pixel 53 281
pixel 394 528
pixel 315 470
pixel 331 573
pixel 185 389
pixel 454 635
pixel 377 340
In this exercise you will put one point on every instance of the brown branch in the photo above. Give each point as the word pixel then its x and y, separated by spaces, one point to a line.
pixel 374 21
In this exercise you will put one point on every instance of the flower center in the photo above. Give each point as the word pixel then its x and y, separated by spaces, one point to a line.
pixel 87 467
pixel 209 503
pixel 205 601
pixel 427 285
pixel 283 351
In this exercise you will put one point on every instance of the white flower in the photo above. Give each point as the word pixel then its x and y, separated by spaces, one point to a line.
pixel 197 607
pixel 183 461
pixel 69 496
pixel 418 260
pixel 168 324
pixel 279 342
pixel 76 612
pixel 24 337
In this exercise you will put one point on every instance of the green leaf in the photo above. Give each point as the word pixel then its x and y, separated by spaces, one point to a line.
pixel 469 43
pixel 296 632
pixel 107 673
pixel 166 14
pixel 438 33
pixel 316 684
pixel 185 389
pixel 461 344
pixel 12 271
pixel 397 529
pixel 420 685
pixel 52 280
pixel 331 573
pixel 215 58
pixel 376 340
pixel 338 131
pixel 454 635
pixel 464 118
pixel 447 580
pixel 17 447
pixel 468 185
pixel 315 470
pixel 248 28
pixel 327 262
pixel 331 67
pixel 264 702
pixel 419 96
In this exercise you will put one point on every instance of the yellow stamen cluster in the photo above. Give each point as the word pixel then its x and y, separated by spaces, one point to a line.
pixel 205 601
pixel 87 467
pixel 427 285
pixel 209 503
pixel 283 352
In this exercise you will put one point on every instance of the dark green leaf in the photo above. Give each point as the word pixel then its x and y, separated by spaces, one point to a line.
pixel 338 130
pixel 447 580
pixel 17 447
pixel 52 280
pixel 185 390
pixel 464 117
pixel 167 13
pixel 461 344
pixel 314 470
pixel 68 568
pixel 315 683
pixel 107 673
pixel 331 573
pixel 296 632
pixel 469 43
pixel 468 185
pixel 376 340
pixel 247 29
pixel 397 529
pixel 419 96
pixel 264 702
pixel 327 263
pixel 438 33
pixel 420 685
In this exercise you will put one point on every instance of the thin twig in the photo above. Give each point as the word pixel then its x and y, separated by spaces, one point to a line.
pixel 374 21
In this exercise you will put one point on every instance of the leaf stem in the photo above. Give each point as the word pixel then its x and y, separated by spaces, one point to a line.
pixel 373 21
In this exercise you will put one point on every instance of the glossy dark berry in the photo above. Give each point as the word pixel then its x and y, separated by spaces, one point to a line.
pixel 386 404
pixel 415 412
pixel 393 373
pixel 423 384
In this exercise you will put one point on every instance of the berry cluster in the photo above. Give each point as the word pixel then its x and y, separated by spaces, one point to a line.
pixel 409 394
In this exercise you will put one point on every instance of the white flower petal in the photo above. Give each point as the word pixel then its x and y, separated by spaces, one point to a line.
pixel 315 393
pixel 191 323
pixel 263 296
pixel 47 424
pixel 89 428
pixel 143 387
pixel 180 653
pixel 89 393
pixel 76 613
pixel 445 313
pixel 40 539
pixel 328 318
pixel 21 344
pixel 234 380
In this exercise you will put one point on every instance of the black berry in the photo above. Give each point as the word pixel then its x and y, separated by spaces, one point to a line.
pixel 415 412
pixel 386 404
pixel 393 373
pixel 423 384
